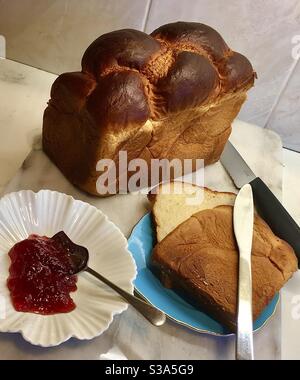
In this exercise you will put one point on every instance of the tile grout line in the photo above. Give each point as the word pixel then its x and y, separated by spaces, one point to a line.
pixel 284 86
pixel 144 24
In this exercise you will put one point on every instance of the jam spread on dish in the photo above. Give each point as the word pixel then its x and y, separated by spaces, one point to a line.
pixel 40 276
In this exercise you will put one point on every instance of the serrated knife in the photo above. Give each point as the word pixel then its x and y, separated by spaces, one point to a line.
pixel 243 216
pixel 268 206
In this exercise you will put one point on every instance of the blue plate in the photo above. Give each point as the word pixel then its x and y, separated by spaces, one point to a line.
pixel 140 244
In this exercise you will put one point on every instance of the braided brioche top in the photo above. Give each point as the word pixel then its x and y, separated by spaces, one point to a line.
pixel 129 76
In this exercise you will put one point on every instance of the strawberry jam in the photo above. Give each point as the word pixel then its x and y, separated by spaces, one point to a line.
pixel 40 276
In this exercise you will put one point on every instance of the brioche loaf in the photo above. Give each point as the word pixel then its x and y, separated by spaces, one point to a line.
pixel 200 258
pixel 171 94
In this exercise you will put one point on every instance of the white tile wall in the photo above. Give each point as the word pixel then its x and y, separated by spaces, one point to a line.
pixel 285 118
pixel 52 35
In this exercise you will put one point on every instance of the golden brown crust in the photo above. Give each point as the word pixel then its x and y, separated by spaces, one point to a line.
pixel 200 257
pixel 171 94
pixel 153 193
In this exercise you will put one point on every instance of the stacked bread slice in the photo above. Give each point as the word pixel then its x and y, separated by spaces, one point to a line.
pixel 175 202
pixel 197 254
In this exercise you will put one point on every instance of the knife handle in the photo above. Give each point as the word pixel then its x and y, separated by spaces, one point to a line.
pixel 273 212
pixel 244 335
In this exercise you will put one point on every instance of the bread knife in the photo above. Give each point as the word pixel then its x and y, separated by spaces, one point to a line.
pixel 267 205
pixel 243 215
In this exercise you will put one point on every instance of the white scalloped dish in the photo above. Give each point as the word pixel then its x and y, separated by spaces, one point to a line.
pixel 44 213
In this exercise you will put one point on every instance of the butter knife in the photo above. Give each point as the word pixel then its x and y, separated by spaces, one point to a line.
pixel 243 216
pixel 267 205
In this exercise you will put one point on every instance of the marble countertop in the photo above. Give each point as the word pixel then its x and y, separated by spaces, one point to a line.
pixel 24 92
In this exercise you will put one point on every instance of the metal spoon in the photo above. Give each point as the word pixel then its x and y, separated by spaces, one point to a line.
pixel 80 256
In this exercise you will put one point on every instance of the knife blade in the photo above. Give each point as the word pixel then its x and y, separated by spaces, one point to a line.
pixel 243 215
pixel 267 205
pixel 236 166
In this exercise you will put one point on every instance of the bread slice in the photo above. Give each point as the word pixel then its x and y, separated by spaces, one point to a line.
pixel 200 258
pixel 176 201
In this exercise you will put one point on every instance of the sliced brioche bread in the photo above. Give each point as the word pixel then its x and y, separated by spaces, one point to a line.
pixel 200 258
pixel 175 202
